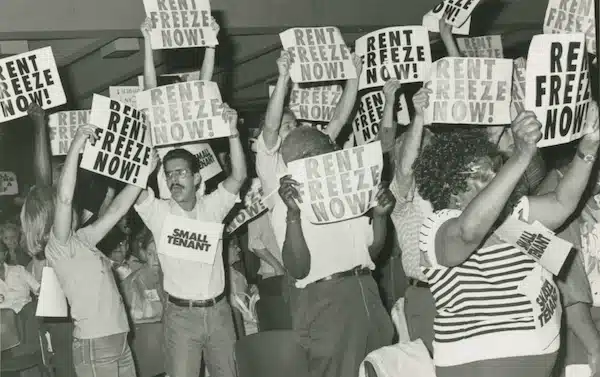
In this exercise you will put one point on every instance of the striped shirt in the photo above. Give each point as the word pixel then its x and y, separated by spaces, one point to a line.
pixel 482 302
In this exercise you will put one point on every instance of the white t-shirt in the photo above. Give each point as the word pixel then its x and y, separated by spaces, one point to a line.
pixel 261 236
pixel 16 287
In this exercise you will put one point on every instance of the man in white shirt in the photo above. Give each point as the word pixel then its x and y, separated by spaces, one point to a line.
pixel 198 319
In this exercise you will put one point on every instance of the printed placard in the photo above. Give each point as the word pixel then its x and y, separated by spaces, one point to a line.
pixel 487 46
pixel 536 241
pixel 189 239
pixel 125 94
pixel 253 206
pixel 318 54
pixel 180 24
pixel 572 16
pixel 171 78
pixel 470 91
pixel 402 53
pixel 27 78
pixel 315 103
pixel 370 111
pixel 63 126
pixel 121 151
pixel 456 12
pixel 557 86
pixel 209 165
pixel 340 185
pixel 518 88
pixel 431 21
pixel 8 183
pixel 184 112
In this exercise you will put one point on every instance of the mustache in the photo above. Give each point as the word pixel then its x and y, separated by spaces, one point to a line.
pixel 175 185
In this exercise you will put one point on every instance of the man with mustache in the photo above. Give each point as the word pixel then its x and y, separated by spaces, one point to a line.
pixel 197 318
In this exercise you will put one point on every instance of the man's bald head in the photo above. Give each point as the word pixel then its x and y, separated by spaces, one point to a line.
pixel 304 142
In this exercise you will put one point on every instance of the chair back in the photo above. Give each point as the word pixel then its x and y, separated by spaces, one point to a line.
pixel 271 354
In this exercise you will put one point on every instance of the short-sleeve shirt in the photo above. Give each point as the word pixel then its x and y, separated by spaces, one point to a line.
pixel 87 279
pixel 183 278
pixel 482 312
pixel 261 236
pixel 16 287
pixel 269 167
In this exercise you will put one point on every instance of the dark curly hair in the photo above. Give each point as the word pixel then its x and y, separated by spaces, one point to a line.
pixel 439 170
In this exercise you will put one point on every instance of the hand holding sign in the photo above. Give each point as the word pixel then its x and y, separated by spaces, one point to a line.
pixel 592 134
pixel 230 116
pixel 36 113
pixel 390 88
pixel 146 28
pixel 289 193
pixel 421 100
pixel 527 131
pixel 358 64
pixel 215 25
pixel 84 133
pixel 284 62
pixel 385 202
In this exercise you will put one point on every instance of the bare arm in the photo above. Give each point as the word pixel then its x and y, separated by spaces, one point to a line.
pixel 270 131
pixel 239 172
pixel 387 126
pixel 346 105
pixel 448 38
pixel 381 213
pixel 150 80
pixel 270 259
pixel 208 64
pixel 42 155
pixel 579 320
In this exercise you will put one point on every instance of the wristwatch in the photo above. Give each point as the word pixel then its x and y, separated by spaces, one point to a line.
pixel 589 158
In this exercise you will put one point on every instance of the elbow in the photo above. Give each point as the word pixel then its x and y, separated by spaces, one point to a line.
pixel 64 198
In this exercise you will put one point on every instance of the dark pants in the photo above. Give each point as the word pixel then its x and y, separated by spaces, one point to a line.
pixel 339 322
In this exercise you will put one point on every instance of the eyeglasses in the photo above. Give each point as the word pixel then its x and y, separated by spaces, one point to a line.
pixel 179 173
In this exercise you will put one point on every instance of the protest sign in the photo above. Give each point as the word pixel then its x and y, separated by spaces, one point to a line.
pixel 318 54
pixel 124 94
pixel 121 151
pixel 314 103
pixel 189 239
pixel 8 183
pixel 557 86
pixel 63 126
pixel 470 91
pixel 180 24
pixel 572 16
pixel 369 114
pixel 184 112
pixel 209 165
pixel 27 78
pixel 52 301
pixel 171 78
pixel 401 53
pixel 456 12
pixel 431 20
pixel 340 185
pixel 518 88
pixel 487 46
pixel 536 241
pixel 253 206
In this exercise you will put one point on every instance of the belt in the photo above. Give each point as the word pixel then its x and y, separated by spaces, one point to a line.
pixel 356 271
pixel 196 303
pixel 417 283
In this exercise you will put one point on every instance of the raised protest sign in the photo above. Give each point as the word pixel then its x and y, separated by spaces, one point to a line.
pixel 536 241
pixel 27 78
pixel 518 88
pixel 315 103
pixel 431 20
pixel 487 46
pixel 180 23
pixel 63 127
pixel 401 53
pixel 340 185
pixel 209 165
pixel 184 112
pixel 470 91
pixel 572 16
pixel 557 86
pixel 189 239
pixel 456 12
pixel 253 206
pixel 121 151
pixel 8 183
pixel 318 54
pixel 171 78
pixel 369 114
pixel 124 94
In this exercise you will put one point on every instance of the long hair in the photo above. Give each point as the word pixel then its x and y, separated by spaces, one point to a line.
pixel 37 217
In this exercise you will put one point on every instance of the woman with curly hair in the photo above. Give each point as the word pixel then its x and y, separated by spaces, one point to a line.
pixel 488 319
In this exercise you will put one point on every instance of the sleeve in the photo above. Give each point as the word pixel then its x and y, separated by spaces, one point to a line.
pixel 152 211
pixel 254 236
pixel 30 280
pixel 266 164
pixel 56 250
pixel 219 202
pixel 429 230
pixel 397 186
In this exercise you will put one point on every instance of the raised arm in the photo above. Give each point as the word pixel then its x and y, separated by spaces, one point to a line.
pixel 554 208
pixel 387 126
pixel 270 131
pixel 208 64
pixel 346 105
pixel 63 214
pixel 448 38
pixel 457 238
pixel 295 253
pixel 239 172
pixel 149 69
pixel 42 155
pixel 381 213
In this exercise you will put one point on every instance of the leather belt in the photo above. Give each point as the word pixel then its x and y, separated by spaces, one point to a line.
pixel 418 283
pixel 196 303
pixel 356 271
